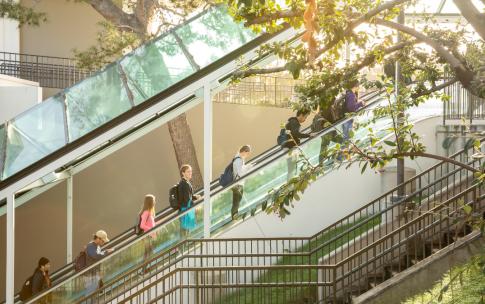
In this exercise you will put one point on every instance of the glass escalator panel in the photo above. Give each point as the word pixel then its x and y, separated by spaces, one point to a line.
pixel 95 101
pixel 34 134
pixel 141 74
pixel 212 36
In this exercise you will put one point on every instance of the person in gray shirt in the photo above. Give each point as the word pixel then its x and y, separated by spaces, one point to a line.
pixel 239 168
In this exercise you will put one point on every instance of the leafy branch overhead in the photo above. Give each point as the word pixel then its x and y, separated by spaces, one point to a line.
pixel 332 24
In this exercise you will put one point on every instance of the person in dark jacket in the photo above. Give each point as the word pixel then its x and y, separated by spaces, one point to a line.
pixel 322 118
pixel 352 105
pixel 186 198
pixel 295 136
pixel 40 278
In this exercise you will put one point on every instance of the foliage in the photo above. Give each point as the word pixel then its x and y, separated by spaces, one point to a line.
pixel 110 43
pixel 317 58
pixel 24 15
pixel 462 284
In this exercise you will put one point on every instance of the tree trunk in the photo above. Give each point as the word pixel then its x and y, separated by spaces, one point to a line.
pixel 184 147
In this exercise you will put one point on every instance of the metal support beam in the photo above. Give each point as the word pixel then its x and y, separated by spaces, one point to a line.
pixel 398 81
pixel 69 218
pixel 10 267
pixel 207 158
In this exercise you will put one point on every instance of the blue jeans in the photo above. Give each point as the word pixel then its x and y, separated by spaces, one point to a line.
pixel 347 127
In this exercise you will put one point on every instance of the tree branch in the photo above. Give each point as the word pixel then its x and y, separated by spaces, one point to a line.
pixel 274 16
pixel 472 15
pixel 437 157
pixel 347 32
pixel 464 75
pixel 115 15
pixel 436 88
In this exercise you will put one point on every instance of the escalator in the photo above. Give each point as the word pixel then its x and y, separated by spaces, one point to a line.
pixel 270 172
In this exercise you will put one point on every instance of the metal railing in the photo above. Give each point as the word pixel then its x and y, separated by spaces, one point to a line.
pixel 48 71
pixel 272 91
pixel 462 105
pixel 334 243
pixel 227 277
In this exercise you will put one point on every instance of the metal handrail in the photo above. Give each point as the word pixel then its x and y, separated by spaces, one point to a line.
pixel 416 193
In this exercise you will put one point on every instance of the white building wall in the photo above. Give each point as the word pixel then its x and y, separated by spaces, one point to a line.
pixel 16 96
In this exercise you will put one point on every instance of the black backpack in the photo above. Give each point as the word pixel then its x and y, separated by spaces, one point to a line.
pixel 283 137
pixel 81 261
pixel 173 197
pixel 26 291
pixel 227 177
pixel 138 230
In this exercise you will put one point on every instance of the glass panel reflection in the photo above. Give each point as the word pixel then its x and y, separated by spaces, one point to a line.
pixel 213 35
pixel 94 101
pixel 155 66
pixel 35 134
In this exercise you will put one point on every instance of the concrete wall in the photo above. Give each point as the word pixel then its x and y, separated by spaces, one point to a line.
pixel 70 25
pixel 423 276
pixel 9 36
pixel 16 96
pixel 109 193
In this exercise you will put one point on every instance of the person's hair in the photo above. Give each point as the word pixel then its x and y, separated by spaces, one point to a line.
pixel 43 261
pixel 184 168
pixel 148 204
pixel 245 148
pixel 302 112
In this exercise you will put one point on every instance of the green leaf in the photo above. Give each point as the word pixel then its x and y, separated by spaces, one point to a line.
pixel 467 209
pixel 363 168
pixel 390 143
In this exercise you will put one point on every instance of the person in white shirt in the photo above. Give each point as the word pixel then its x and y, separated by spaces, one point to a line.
pixel 239 168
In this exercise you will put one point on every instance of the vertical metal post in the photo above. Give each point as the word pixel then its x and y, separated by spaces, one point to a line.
pixel 398 81
pixel 207 158
pixel 10 267
pixel 69 218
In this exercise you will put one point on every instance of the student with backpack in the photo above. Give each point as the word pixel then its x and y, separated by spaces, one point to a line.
pixel 38 282
pixel 93 254
pixel 295 136
pixel 186 198
pixel 234 171
pixel 146 222
pixel 352 105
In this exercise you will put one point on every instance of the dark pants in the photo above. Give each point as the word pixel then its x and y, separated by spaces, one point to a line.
pixel 237 194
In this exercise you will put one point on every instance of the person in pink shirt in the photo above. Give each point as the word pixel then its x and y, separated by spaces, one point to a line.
pixel 147 222
pixel 147 213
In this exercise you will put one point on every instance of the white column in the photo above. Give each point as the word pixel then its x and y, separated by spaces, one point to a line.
pixel 207 158
pixel 69 218
pixel 10 289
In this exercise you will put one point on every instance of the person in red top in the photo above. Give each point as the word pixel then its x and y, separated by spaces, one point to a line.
pixel 147 222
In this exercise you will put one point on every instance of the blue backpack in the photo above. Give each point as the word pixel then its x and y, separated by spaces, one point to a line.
pixel 227 177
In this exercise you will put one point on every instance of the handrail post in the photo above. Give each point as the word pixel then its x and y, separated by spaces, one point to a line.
pixel 10 267
pixel 207 158
pixel 69 218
